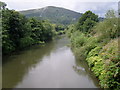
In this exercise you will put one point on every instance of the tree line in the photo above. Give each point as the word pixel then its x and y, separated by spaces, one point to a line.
pixel 19 32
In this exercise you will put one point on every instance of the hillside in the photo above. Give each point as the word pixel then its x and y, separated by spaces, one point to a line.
pixel 55 15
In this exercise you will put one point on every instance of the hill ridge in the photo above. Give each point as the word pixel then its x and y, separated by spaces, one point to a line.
pixel 57 15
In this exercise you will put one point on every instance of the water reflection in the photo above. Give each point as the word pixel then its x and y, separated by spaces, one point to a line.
pixel 82 68
pixel 51 66
pixel 19 64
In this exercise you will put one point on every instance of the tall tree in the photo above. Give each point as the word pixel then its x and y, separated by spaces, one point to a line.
pixel 87 21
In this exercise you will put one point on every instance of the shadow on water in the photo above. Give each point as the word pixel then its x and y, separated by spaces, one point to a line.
pixel 82 68
pixel 18 65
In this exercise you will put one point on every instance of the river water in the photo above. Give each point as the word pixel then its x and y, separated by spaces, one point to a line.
pixel 50 66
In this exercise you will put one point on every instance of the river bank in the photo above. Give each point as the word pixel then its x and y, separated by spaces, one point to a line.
pixel 99 48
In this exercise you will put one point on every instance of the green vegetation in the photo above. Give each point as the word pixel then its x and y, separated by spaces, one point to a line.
pixel 55 15
pixel 97 43
pixel 60 29
pixel 19 32
pixel 91 40
pixel 87 21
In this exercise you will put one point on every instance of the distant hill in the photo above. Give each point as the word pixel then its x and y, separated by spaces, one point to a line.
pixel 55 15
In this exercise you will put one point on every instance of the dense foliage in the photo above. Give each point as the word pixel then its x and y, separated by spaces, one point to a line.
pixel 98 45
pixel 60 29
pixel 19 32
pixel 87 21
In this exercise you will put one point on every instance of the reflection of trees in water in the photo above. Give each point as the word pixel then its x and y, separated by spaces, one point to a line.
pixel 19 64
pixel 80 71
pixel 83 69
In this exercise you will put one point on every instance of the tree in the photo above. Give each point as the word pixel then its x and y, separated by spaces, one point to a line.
pixel 110 14
pixel 7 44
pixel 36 28
pixel 16 31
pixel 48 31
pixel 87 21
pixel 41 30
pixel 2 5
pixel 19 32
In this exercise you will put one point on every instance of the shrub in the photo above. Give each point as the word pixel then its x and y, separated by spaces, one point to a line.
pixel 27 41
pixel 107 29
pixel 104 62
pixel 78 39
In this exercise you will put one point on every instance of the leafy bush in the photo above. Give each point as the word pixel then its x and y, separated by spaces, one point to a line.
pixel 78 39
pixel 111 65
pixel 27 41
pixel 104 62
pixel 92 56
pixel 107 29
pixel 70 30
pixel 94 52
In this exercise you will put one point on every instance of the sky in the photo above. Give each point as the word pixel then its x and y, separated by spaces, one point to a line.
pixel 99 7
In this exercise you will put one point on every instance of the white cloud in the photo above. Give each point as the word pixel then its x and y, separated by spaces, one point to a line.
pixel 99 7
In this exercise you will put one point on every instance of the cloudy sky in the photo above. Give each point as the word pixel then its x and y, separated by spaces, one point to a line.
pixel 98 7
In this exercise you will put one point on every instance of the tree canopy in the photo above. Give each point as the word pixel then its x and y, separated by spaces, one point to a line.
pixel 19 32
pixel 87 21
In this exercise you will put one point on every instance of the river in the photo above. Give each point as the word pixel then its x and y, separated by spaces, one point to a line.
pixel 51 66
